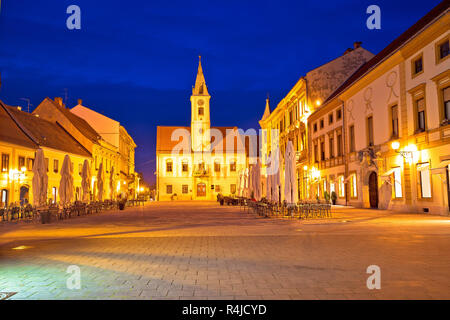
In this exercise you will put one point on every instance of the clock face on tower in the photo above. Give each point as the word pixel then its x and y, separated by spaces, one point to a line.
pixel 200 102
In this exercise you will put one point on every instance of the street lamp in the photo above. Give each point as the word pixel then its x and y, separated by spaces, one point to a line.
pixel 407 153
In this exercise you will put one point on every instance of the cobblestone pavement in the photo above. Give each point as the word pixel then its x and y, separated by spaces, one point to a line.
pixel 200 250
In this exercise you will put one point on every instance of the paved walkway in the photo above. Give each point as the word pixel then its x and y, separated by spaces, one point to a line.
pixel 200 250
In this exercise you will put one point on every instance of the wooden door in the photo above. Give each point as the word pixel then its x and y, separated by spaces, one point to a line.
pixel 201 190
pixel 373 190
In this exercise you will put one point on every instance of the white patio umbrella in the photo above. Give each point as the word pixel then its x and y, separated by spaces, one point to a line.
pixel 66 183
pixel 40 179
pixel 100 182
pixel 112 183
pixel 245 183
pixel 86 181
pixel 268 179
pixel 239 181
pixel 276 176
pixel 290 189
pixel 257 180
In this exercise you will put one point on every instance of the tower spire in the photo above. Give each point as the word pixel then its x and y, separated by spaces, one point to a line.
pixel 200 83
pixel 267 109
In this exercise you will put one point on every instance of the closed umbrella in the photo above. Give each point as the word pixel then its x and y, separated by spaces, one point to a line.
pixel 40 179
pixel 112 183
pixel 257 180
pixel 245 183
pixel 100 182
pixel 290 189
pixel 66 183
pixel 239 181
pixel 276 176
pixel 86 181
pixel 268 180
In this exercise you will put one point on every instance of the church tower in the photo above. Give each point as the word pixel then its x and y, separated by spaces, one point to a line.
pixel 200 123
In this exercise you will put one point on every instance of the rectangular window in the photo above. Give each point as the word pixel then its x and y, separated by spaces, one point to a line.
pixel 185 167
pixel 233 188
pixel 169 189
pixel 169 166
pixel 321 123
pixel 338 114
pixel 201 111
pixel 351 132
pixel 233 166
pixel 322 151
pixel 394 124
pixel 315 127
pixel 330 118
pixel 184 188
pixel 446 99
pixel 353 189
pixel 341 186
pixel 370 131
pixel 339 145
pixel 397 183
pixel 417 66
pixel 316 153
pixel 217 167
pixel 21 162
pixel 5 162
pixel 420 107
pixel 46 163
pixel 217 188
pixel 55 165
pixel 30 162
pixel 425 180
pixel 331 143
pixel 443 50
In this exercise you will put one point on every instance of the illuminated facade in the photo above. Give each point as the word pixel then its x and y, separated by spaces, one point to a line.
pixel 289 120
pixel 393 149
pixel 21 135
pixel 200 161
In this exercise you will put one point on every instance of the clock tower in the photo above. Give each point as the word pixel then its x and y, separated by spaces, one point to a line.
pixel 200 123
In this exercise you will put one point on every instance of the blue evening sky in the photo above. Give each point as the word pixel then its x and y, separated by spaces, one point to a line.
pixel 135 61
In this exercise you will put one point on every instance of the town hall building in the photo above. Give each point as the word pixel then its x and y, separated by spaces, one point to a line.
pixel 199 162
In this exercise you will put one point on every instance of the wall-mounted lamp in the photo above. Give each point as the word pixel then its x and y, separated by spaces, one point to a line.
pixel 407 153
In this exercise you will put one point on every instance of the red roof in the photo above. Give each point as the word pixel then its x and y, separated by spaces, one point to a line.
pixel 42 132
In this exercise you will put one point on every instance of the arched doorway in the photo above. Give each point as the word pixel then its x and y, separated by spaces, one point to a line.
pixel 373 190
pixel 24 195
pixel 201 190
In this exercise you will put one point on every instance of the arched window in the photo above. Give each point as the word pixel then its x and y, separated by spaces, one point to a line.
pixel 169 166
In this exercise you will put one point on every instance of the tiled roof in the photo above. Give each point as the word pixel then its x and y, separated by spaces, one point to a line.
pixel 77 121
pixel 392 47
pixel 164 142
pixel 11 133
pixel 45 133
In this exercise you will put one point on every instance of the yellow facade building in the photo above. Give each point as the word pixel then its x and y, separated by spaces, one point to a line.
pixel 21 135
pixel 199 162
pixel 393 149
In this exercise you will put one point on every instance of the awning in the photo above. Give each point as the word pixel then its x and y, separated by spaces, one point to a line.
pixel 388 173
pixel 423 166
pixel 441 168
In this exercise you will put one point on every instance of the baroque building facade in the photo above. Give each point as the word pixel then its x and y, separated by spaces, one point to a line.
pixel 201 161
pixel 289 120
pixel 394 129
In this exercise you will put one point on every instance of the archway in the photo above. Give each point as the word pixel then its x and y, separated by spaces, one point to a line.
pixel 373 190
pixel 24 194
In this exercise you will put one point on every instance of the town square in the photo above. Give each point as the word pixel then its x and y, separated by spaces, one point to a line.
pixel 208 153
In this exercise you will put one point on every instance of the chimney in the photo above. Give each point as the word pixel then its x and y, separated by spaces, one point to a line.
pixel 80 102
pixel 59 101
pixel 348 50
pixel 357 44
